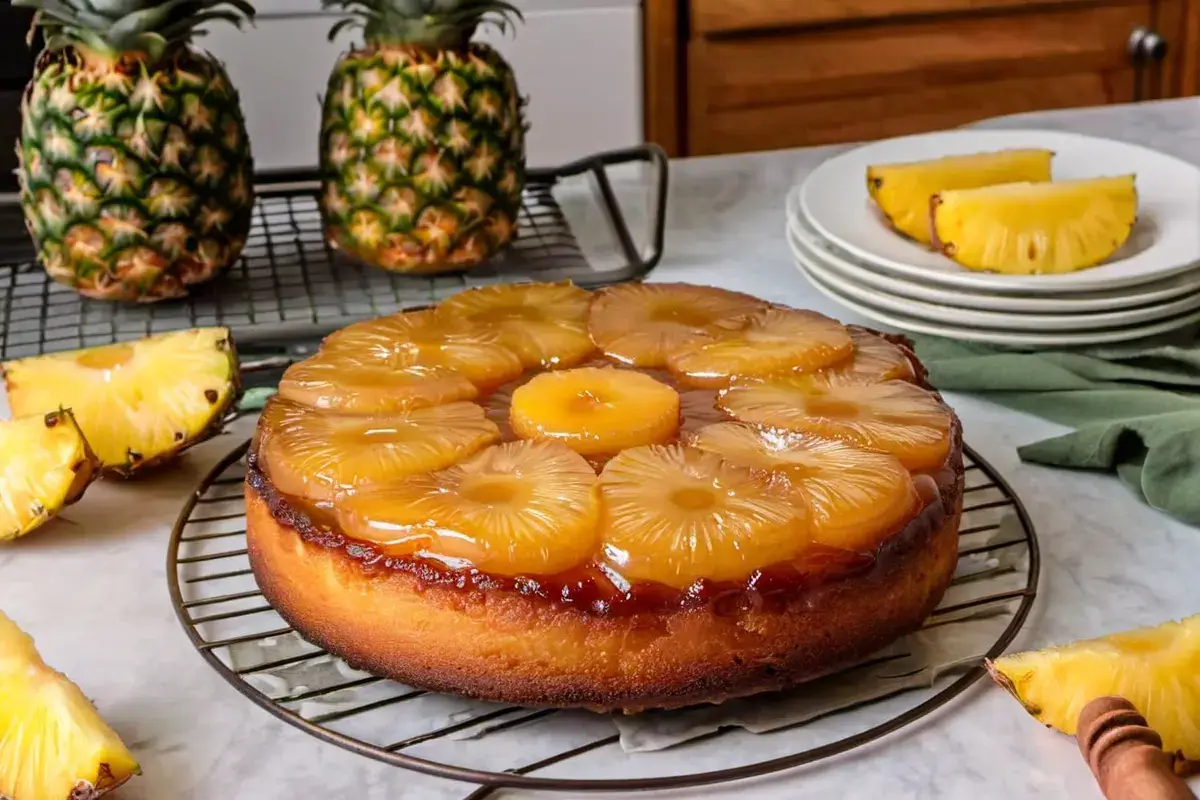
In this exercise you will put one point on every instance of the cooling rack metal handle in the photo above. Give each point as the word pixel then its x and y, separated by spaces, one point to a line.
pixel 598 166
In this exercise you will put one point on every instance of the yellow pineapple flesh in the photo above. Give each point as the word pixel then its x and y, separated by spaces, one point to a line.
pixel 320 455
pixel 46 465
pixel 875 360
pixel 140 403
pixel 358 384
pixel 642 324
pixel 773 341
pixel 545 324
pixel 519 508
pixel 856 498
pixel 1036 228
pixel 674 515
pixel 53 743
pixel 894 417
pixel 902 191
pixel 596 410
pixel 429 339
pixel 1157 669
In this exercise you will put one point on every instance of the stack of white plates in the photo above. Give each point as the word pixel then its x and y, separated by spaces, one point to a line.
pixel 1151 286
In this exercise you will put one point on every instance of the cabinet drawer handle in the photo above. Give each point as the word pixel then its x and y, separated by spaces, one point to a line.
pixel 1146 45
pixel 1147 49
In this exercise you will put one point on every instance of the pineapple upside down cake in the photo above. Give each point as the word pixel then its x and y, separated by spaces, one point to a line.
pixel 650 496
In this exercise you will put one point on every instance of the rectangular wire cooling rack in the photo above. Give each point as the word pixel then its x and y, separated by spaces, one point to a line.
pixel 492 745
pixel 290 285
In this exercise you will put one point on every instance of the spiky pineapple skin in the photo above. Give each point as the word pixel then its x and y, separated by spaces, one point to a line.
pixel 136 179
pixel 422 157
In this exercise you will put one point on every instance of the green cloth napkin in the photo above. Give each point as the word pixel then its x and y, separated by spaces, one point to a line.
pixel 1135 409
pixel 254 399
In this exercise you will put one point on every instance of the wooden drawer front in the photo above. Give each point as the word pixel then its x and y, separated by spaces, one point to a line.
pixel 730 16
pixel 897 114
pixel 799 89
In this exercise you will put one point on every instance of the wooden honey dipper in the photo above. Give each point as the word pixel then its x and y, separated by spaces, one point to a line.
pixel 1126 754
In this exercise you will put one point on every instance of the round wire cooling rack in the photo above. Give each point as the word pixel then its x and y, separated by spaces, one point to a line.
pixel 493 746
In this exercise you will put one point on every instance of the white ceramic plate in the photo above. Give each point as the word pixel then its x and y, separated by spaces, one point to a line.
pixel 860 273
pixel 994 320
pixel 902 322
pixel 1165 241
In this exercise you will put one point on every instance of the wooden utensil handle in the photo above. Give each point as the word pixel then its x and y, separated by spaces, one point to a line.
pixel 1126 754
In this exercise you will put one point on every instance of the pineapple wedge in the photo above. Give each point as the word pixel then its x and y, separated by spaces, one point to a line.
pixel 140 403
pixel 1156 669
pixel 48 465
pixel 1035 228
pixel 902 191
pixel 53 744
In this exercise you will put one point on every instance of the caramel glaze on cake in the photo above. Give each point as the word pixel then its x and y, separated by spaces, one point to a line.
pixel 577 639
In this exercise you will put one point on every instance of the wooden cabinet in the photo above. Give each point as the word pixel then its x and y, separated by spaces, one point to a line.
pixel 764 74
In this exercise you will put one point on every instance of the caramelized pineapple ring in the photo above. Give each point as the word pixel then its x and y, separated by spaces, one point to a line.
pixel 893 417
pixel 596 411
pixel 521 508
pixel 674 515
pixel 773 341
pixel 642 324
pixel 855 498
pixel 355 384
pixel 429 339
pixel 320 455
pixel 545 324
pixel 875 360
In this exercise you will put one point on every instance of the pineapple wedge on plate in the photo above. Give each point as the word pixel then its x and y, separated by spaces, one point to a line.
pixel 139 403
pixel 902 191
pixel 48 465
pixel 423 137
pixel 135 165
pixel 1035 228
pixel 1157 669
pixel 53 743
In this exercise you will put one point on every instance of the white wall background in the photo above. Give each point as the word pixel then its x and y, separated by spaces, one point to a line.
pixel 578 61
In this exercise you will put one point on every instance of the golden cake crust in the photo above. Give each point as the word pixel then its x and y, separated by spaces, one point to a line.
pixel 507 647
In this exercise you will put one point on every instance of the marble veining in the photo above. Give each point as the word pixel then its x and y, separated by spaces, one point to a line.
pixel 91 589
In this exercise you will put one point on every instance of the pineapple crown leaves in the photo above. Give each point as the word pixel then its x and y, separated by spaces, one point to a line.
pixel 112 27
pixel 437 24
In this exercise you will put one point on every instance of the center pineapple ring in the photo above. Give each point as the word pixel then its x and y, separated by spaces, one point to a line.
pixel 765 438
pixel 596 411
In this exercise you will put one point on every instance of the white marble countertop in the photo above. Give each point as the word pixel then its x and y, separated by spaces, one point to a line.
pixel 91 587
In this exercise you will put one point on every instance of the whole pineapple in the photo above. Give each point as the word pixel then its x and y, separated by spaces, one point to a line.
pixel 135 166
pixel 423 138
